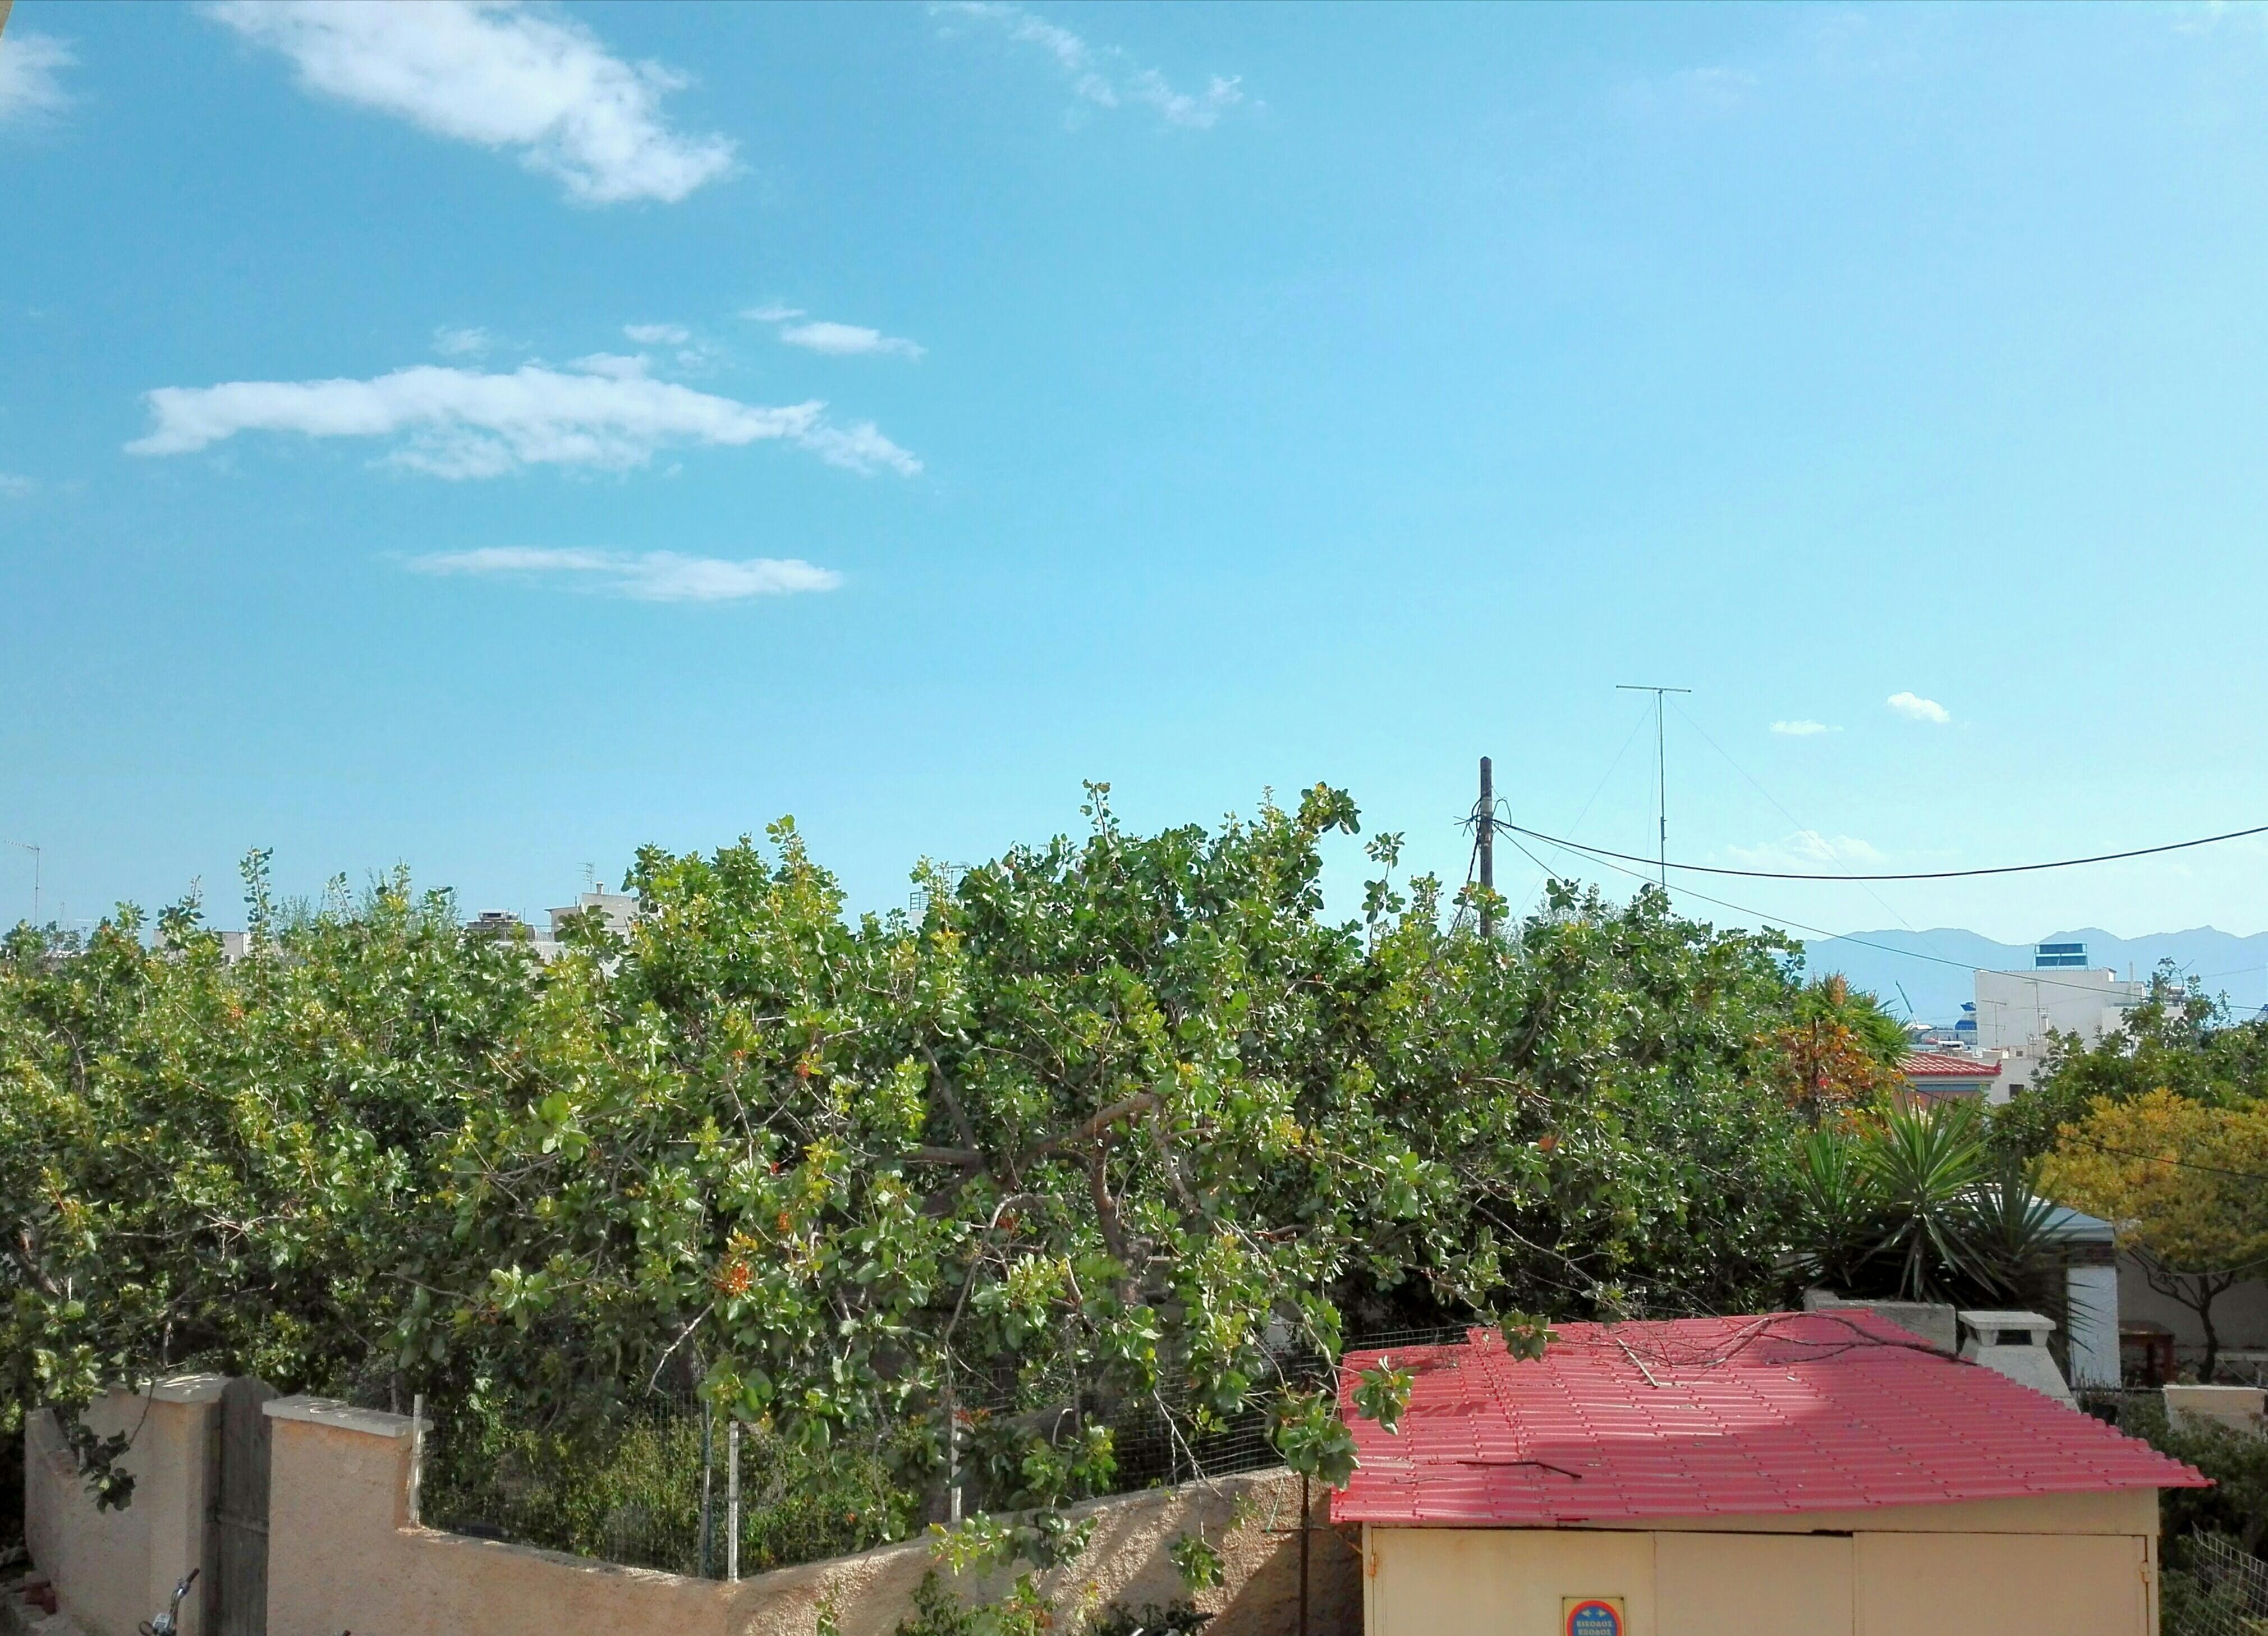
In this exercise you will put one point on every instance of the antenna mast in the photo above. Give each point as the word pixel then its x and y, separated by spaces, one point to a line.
pixel 1660 766
pixel 27 846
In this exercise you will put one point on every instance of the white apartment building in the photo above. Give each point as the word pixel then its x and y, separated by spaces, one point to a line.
pixel 2017 1010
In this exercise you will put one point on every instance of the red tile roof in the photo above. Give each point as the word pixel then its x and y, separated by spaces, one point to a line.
pixel 1946 1065
pixel 1789 1411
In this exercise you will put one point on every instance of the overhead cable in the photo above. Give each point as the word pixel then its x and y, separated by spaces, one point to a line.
pixel 1925 874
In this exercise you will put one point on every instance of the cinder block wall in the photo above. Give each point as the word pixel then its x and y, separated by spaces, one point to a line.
pixel 343 1553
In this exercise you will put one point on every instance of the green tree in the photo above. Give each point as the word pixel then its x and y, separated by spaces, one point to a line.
pixel 1112 1119
pixel 2182 1184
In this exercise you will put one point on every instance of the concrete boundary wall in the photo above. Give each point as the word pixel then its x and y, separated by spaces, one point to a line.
pixel 343 1553
pixel 112 1569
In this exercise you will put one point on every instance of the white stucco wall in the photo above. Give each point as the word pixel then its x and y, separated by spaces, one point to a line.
pixel 2092 1337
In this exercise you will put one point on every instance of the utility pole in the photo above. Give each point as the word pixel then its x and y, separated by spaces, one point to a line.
pixel 1661 764
pixel 1485 833
pixel 27 846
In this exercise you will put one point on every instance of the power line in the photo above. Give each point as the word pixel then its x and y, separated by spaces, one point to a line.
pixel 1790 816
pixel 2160 1159
pixel 1833 937
pixel 1660 759
pixel 1596 790
pixel 1600 853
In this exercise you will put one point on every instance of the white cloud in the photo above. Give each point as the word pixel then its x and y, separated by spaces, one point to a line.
pixel 15 486
pixel 1913 707
pixel 470 342
pixel 1101 75
pixel 1806 849
pixel 491 72
pixel 459 423
pixel 819 335
pixel 31 80
pixel 658 335
pixel 639 576
pixel 1803 729
pixel 846 340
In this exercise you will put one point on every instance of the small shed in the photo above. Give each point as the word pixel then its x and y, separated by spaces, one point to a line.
pixel 1823 1473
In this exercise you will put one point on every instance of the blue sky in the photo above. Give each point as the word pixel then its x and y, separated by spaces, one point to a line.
pixel 636 423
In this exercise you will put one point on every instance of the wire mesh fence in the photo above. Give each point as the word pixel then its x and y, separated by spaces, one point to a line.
pixel 653 1488
pixel 2230 1597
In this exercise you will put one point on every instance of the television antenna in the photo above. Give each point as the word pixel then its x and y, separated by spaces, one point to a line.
pixel 27 846
pixel 1661 764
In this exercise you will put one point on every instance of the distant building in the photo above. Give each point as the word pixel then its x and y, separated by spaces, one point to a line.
pixel 619 909
pixel 1938 1075
pixel 2015 1012
pixel 499 923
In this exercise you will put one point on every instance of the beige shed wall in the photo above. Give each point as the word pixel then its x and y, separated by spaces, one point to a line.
pixel 2063 1565
pixel 112 1569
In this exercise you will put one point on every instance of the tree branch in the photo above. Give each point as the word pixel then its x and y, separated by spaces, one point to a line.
pixel 967 1130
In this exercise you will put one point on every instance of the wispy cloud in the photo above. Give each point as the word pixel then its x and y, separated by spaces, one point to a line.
pixel 1806 849
pixel 497 75
pixel 461 423
pixel 31 77
pixel 846 340
pixel 1802 729
pixel 469 341
pixel 658 335
pixel 798 328
pixel 14 486
pixel 1913 707
pixel 1102 76
pixel 638 576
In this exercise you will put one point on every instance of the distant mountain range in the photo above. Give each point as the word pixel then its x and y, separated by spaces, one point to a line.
pixel 1934 967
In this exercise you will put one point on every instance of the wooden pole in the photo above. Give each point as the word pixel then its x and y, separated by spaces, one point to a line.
pixel 1484 832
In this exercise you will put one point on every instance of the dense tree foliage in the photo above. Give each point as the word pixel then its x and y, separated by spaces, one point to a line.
pixel 1115 1118
pixel 2184 1184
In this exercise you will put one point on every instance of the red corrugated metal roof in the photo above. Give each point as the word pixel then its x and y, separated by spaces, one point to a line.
pixel 1945 1065
pixel 1783 1412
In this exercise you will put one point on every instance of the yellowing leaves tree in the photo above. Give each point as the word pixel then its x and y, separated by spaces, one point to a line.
pixel 2183 1184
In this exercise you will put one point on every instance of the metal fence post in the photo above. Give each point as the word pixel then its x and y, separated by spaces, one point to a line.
pixel 952 1455
pixel 708 1422
pixel 733 1501
pixel 416 1457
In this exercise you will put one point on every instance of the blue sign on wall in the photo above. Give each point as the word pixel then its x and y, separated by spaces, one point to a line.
pixel 1592 1616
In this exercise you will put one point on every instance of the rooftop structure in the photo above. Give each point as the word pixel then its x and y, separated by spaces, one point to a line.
pixel 1778 1413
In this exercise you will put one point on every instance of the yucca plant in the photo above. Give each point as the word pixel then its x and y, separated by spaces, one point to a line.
pixel 2012 1232
pixel 1841 1206
pixel 1910 1204
pixel 1926 1164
